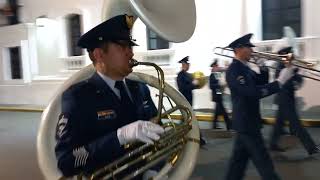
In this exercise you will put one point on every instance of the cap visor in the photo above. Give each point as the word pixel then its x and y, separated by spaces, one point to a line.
pixel 132 43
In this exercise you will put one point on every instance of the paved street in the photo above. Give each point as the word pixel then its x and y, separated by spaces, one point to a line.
pixel 18 153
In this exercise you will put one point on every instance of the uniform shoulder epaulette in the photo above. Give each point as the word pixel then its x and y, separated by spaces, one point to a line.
pixel 81 87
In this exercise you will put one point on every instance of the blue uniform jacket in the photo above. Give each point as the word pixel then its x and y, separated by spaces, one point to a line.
pixel 215 87
pixel 185 86
pixel 287 94
pixel 86 132
pixel 247 87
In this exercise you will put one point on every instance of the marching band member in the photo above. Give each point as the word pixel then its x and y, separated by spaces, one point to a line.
pixel 217 93
pixel 102 114
pixel 247 87
pixel 186 84
pixel 185 81
pixel 286 102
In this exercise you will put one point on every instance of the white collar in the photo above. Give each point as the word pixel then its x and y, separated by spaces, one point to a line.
pixel 108 80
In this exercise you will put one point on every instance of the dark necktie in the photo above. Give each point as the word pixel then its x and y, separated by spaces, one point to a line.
pixel 125 99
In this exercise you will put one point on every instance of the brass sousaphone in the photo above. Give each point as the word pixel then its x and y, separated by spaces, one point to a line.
pixel 173 20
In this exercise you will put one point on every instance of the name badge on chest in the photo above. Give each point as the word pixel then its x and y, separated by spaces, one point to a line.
pixel 106 114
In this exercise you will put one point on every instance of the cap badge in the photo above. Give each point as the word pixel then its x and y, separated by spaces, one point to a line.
pixel 129 21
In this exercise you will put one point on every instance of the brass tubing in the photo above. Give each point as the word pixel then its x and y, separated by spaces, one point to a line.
pixel 168 143
pixel 161 84
pixel 305 65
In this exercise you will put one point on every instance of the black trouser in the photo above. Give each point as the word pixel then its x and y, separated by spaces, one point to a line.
pixel 250 146
pixel 288 112
pixel 220 110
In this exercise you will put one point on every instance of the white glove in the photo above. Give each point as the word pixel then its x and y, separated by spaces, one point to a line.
pixel 260 62
pixel 285 75
pixel 143 131
pixel 195 82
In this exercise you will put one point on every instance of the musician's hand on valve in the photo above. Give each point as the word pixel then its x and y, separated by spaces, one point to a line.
pixel 261 62
pixel 143 131
pixel 285 74
pixel 195 82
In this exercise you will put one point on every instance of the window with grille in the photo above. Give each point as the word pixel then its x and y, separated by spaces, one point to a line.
pixel 15 62
pixel 155 41
pixel 279 13
pixel 74 33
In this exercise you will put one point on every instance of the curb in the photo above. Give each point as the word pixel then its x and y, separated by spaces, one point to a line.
pixel 200 117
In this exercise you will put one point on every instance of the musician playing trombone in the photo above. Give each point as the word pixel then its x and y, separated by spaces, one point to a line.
pixel 286 102
pixel 247 87
pixel 102 114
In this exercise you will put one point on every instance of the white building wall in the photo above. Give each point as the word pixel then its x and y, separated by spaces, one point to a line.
pixel 218 23
pixel 48 46
pixel 51 39
pixel 310 14
pixel 20 35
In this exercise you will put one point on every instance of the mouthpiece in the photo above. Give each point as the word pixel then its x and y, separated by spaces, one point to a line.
pixel 134 62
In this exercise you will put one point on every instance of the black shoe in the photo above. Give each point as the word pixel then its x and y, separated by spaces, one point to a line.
pixel 315 150
pixel 202 142
pixel 229 129
pixel 276 148
pixel 217 128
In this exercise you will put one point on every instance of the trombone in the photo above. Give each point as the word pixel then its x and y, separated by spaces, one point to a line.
pixel 307 66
